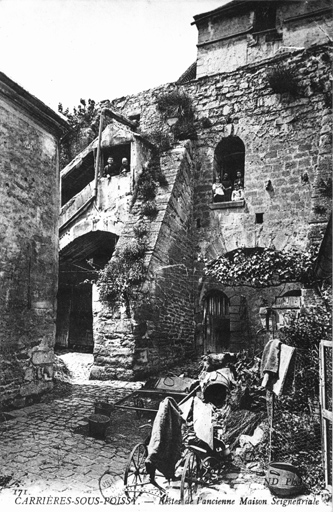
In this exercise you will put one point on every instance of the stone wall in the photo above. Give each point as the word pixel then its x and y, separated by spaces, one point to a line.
pixel 287 142
pixel 29 198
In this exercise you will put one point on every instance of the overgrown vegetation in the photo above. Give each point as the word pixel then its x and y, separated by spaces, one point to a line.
pixel 125 270
pixel 297 432
pixel 85 115
pixel 174 104
pixel 261 268
pixel 283 78
pixel 177 104
pixel 161 140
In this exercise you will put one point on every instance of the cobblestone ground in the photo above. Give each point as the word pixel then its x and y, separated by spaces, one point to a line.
pixel 46 448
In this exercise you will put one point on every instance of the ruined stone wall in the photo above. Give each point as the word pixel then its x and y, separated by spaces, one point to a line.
pixel 287 142
pixel 29 198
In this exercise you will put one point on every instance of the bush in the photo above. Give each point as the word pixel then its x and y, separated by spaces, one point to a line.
pixel 160 139
pixel 149 209
pixel 174 104
pixel 283 79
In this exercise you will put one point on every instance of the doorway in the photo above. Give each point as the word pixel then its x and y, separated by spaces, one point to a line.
pixel 216 322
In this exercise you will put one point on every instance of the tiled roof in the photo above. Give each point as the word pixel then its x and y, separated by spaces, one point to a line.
pixel 189 74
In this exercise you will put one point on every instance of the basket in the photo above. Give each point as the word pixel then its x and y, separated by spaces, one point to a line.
pixel 283 479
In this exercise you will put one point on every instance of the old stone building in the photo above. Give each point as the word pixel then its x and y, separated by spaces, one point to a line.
pixel 260 104
pixel 29 191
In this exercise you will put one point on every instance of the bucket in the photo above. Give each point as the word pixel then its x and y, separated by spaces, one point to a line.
pixel 283 479
pixel 98 424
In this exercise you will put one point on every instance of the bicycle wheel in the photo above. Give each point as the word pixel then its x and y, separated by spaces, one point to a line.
pixel 135 475
pixel 190 476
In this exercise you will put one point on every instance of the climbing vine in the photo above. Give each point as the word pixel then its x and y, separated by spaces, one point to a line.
pixel 261 268
pixel 126 269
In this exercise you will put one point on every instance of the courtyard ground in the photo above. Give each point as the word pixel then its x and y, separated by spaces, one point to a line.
pixel 47 452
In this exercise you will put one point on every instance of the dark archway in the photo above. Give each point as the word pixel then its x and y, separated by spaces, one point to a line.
pixel 229 157
pixel 79 261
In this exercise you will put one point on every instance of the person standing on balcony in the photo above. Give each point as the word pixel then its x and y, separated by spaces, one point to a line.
pixel 124 166
pixel 110 169
pixel 218 194
pixel 238 192
pixel 227 187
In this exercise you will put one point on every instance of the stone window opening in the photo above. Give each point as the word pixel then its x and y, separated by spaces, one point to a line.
pixel 259 218
pixel 229 160
pixel 117 153
pixel 265 22
pixel 75 181
pixel 216 322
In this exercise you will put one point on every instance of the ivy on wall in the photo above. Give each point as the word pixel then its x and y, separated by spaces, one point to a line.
pixel 124 270
pixel 263 267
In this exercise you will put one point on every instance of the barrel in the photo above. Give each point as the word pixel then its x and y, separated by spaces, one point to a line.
pixel 283 479
pixel 215 386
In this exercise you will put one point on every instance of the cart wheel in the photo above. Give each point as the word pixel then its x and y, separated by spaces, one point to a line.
pixel 135 473
pixel 139 403
pixel 189 480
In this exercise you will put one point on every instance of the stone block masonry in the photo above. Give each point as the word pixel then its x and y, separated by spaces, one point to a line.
pixel 286 142
pixel 29 199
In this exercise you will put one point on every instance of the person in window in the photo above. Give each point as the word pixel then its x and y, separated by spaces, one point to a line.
pixel 124 166
pixel 227 187
pixel 238 192
pixel 110 169
pixel 218 194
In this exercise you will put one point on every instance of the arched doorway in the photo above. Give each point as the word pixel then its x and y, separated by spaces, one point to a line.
pixel 216 322
pixel 79 261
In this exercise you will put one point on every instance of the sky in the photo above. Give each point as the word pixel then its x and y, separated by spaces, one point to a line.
pixel 64 50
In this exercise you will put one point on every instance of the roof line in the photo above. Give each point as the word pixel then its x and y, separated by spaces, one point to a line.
pixel 31 104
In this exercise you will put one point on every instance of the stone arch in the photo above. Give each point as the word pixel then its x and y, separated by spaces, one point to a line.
pixel 78 262
pixel 229 157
